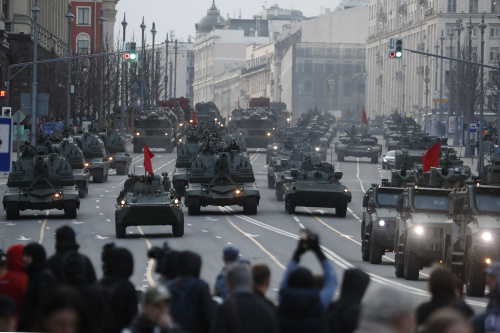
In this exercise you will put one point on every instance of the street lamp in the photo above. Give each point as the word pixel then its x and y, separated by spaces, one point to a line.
pixel 35 10
pixel 70 17
pixel 436 84
pixel 450 109
pixel 441 39
pixel 101 20
pixel 498 100
pixel 166 68
pixel 143 27
pixel 456 137
pixel 153 87
pixel 469 109
pixel 480 163
pixel 122 118
pixel 175 68
pixel 331 83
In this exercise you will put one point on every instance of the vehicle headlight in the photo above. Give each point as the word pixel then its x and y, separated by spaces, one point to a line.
pixel 487 236
pixel 268 133
pixel 317 148
pixel 86 164
pixel 238 191
pixel 176 201
pixel 122 202
pixel 346 190
pixel 419 230
pixel 137 133
pixel 381 223
pixel 166 134
pixel 110 158
pixel 57 195
pixel 181 124
pixel 368 149
pixel 275 147
pixel 385 160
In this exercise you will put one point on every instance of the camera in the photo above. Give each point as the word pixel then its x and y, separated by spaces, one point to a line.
pixel 166 260
pixel 308 238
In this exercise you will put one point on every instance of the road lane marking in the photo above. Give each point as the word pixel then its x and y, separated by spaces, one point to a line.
pixel 151 260
pixel 357 175
pixel 42 231
pixel 302 226
pixel 296 219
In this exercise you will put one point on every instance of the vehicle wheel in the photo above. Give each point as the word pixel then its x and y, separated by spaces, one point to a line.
pixel 270 182
pixel 121 168
pixel 279 193
pixel 341 210
pixel 411 264
pixel 475 279
pixel 194 206
pixel 340 156
pixel 82 189
pixel 12 211
pixel 289 206
pixel 374 158
pixel 365 254
pixel 250 206
pixel 376 251
pixel 98 177
pixel 178 228
pixel 137 149
pixel 120 230
pixel 399 265
pixel 70 209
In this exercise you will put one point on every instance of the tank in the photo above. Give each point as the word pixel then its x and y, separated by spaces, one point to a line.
pixel 222 179
pixel 116 150
pixel 186 154
pixel 95 155
pixel 316 186
pixel 358 145
pixel 156 129
pixel 149 205
pixel 40 182
pixel 74 156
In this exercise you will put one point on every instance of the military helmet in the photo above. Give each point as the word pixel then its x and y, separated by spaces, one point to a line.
pixel 164 173
pixel 130 174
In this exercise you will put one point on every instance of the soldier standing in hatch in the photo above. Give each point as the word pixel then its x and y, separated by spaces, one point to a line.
pixel 166 181
pixel 140 187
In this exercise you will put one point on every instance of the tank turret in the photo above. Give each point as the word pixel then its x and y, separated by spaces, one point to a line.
pixel 95 154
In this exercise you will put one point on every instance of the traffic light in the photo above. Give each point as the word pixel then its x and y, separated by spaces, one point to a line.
pixel 396 48
pixel 133 52
pixel 399 47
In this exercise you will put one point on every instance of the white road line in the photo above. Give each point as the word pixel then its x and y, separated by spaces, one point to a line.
pixel 204 231
pixel 302 226
pixel 97 207
pixel 355 216
pixel 218 237
pixel 101 214
pixel 350 210
pixel 296 218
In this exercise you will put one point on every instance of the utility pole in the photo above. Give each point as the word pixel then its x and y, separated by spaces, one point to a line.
pixel 436 85
pixel 450 109
pixel 456 136
pixel 101 20
pixel 175 70
pixel 70 17
pixel 153 75
pixel 480 162
pixel 122 118
pixel 35 10
pixel 171 75
pixel 166 68
pixel 143 27
pixel 469 110
pixel 441 79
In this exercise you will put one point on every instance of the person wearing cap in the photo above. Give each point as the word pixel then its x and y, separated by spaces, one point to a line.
pixel 166 181
pixel 229 255
pixel 66 242
pixel 127 186
pixel 489 320
pixel 155 313
pixel 141 187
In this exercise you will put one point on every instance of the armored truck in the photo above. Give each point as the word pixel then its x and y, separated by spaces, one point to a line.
pixel 156 130
pixel 116 150
pixel 186 154
pixel 40 182
pixel 74 156
pixel 95 155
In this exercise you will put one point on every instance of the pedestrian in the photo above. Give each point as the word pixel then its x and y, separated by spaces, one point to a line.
pixel 343 314
pixel 120 298
pixel 67 138
pixel 166 181
pixel 230 254
pixel 489 320
pixel 243 311
pixel 261 280
pixel 155 313
pixel 40 281
pixel 192 307
pixel 387 310
pixel 443 291
pixel 447 320
pixel 62 311
pixel 13 281
pixel 302 307
pixel 65 243
pixel 8 314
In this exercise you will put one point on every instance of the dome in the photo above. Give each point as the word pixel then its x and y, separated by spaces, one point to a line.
pixel 208 22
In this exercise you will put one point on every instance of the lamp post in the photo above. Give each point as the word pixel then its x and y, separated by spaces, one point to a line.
pixel 175 69
pixel 35 10
pixel 153 76
pixel 426 80
pixel 450 109
pixel 456 136
pixel 404 79
pixel 469 112
pixel 171 71
pixel 70 17
pixel 498 100
pixel 166 68
pixel 143 27
pixel 436 83
pixel 122 118
pixel 101 20
pixel 480 162
pixel 331 83
pixel 441 39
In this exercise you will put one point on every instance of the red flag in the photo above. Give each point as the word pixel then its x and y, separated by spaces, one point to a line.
pixel 148 155
pixel 193 120
pixel 365 121
pixel 431 157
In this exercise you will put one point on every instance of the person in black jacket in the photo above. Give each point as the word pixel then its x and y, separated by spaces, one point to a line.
pixel 488 321
pixel 40 282
pixel 120 305
pixel 261 280
pixel 344 313
pixel 66 242
pixel 192 306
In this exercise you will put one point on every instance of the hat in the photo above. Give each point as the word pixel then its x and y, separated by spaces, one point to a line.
pixel 130 174
pixel 231 253
pixel 493 269
pixel 164 173
pixel 65 238
pixel 157 294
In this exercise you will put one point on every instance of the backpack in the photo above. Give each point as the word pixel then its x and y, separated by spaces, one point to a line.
pixel 181 308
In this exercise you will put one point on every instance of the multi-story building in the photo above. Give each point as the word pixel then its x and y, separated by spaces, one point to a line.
pixel 412 84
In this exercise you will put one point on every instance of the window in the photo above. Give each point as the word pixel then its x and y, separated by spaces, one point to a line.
pixel 348 53
pixel 329 52
pixel 493 53
pixel 309 52
pixel 492 77
pixel 473 6
pixel 452 6
pixel 308 67
pixel 474 32
pixel 83 15
pixel 495 8
pixel 307 86
pixel 83 44
pixel 494 32
pixel 449 29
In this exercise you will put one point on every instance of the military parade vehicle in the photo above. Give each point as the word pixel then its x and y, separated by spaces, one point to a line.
pixel 149 204
pixel 74 156
pixel 186 154
pixel 156 129
pixel 358 145
pixel 422 215
pixel 316 186
pixel 116 150
pixel 415 147
pixel 207 114
pixel 95 155
pixel 40 182
pixel 221 179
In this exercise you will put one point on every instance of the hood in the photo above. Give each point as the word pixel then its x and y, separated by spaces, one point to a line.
pixel 37 252
pixel 15 260
pixel 66 239
pixel 354 285
pixel 117 262
pixel 300 303
pixel 189 264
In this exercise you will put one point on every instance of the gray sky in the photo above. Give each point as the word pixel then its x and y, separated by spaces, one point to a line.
pixel 181 15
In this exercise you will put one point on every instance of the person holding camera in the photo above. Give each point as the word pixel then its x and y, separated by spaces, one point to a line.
pixel 302 306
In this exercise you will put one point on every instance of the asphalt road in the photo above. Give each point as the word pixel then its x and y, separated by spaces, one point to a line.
pixel 269 237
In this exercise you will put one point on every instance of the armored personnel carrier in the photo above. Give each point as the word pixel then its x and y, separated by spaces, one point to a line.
pixel 362 145
pixel 74 156
pixel 186 154
pixel 221 179
pixel 95 155
pixel 116 150
pixel 316 186
pixel 156 129
pixel 149 204
pixel 40 182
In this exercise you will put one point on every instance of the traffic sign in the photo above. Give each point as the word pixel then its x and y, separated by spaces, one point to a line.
pixel 444 105
pixel 474 120
pixel 5 143
pixel 472 127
